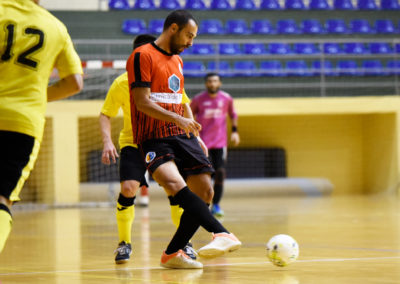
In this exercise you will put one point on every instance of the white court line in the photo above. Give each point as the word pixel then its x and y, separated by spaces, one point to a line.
pixel 207 265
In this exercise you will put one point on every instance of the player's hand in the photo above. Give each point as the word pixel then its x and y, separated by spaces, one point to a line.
pixel 235 138
pixel 203 145
pixel 188 125
pixel 109 151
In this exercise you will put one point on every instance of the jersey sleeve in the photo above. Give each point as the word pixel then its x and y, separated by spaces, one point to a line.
pixel 68 61
pixel 112 102
pixel 139 70
pixel 185 98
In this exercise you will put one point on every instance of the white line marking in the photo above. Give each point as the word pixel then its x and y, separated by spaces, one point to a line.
pixel 207 265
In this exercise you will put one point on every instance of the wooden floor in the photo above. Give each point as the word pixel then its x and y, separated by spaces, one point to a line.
pixel 353 239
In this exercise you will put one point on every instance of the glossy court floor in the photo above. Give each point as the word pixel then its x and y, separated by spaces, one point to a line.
pixel 345 239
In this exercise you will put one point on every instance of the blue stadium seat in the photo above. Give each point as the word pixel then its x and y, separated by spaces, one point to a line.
pixel 336 26
pixel 355 48
pixel 211 27
pixel 134 26
pixel 397 48
pixel 237 27
pixel 384 26
pixel 360 26
pixel 195 5
pixel 297 68
pixel 328 69
pixel 393 67
pixel 262 27
pixel 380 48
pixel 222 68
pixel 118 5
pixel 220 5
pixel 156 26
pixel 170 4
pixel 254 48
pixel 319 5
pixel 332 48
pixel 203 49
pixel 294 5
pixel 245 68
pixel 305 48
pixel 373 68
pixel 390 5
pixel 279 48
pixel 187 51
pixel 245 5
pixel 270 5
pixel 144 5
pixel 287 26
pixel 194 69
pixel 272 68
pixel 230 49
pixel 312 26
pixel 348 68
pixel 343 5
pixel 367 5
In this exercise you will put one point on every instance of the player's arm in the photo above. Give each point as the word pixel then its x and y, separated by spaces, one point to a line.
pixel 65 87
pixel 109 150
pixel 235 138
pixel 145 105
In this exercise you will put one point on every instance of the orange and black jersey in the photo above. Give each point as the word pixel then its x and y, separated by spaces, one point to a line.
pixel 151 67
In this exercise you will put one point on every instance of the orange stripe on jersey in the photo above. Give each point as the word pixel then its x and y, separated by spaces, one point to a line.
pixel 151 67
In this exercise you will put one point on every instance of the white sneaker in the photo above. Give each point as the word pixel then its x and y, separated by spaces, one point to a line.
pixel 221 244
pixel 143 201
pixel 179 260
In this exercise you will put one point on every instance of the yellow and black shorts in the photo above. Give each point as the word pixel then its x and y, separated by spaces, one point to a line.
pixel 18 153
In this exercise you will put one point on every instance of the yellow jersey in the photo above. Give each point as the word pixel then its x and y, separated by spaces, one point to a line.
pixel 118 97
pixel 33 43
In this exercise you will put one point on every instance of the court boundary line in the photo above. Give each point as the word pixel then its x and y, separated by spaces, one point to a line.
pixel 206 265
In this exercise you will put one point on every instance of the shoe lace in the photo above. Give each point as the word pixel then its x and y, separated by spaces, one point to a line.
pixel 122 249
pixel 182 253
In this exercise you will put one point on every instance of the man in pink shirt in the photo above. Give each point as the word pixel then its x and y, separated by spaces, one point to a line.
pixel 211 109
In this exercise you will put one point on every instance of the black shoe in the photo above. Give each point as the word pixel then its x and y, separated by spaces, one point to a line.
pixel 189 250
pixel 123 252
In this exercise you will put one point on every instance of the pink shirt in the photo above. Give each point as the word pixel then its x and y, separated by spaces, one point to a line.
pixel 211 113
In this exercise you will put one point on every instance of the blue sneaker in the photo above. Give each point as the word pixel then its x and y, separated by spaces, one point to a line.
pixel 217 211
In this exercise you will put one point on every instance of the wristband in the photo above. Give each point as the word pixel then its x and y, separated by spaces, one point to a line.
pixel 234 129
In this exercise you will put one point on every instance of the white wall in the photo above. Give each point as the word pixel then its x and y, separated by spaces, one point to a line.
pixel 74 4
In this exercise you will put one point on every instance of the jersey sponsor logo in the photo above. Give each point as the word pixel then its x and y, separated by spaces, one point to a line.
pixel 168 98
pixel 174 83
pixel 122 208
pixel 213 113
pixel 150 157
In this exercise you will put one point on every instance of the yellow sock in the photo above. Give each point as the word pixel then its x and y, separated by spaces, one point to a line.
pixel 125 216
pixel 5 227
pixel 176 213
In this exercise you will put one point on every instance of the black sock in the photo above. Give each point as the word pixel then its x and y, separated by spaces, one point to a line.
pixel 126 201
pixel 187 228
pixel 218 190
pixel 198 211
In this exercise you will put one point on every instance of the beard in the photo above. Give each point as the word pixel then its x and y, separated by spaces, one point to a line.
pixel 174 47
pixel 212 90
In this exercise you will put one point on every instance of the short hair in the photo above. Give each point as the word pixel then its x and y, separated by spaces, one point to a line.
pixel 179 17
pixel 211 74
pixel 142 40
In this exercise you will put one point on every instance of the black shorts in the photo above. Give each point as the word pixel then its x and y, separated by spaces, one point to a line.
pixel 186 152
pixel 217 157
pixel 18 153
pixel 131 165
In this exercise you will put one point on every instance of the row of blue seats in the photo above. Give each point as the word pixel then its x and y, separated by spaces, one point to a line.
pixel 302 48
pixel 251 5
pixel 284 26
pixel 275 68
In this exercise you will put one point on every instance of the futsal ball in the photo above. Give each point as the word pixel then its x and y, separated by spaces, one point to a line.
pixel 282 250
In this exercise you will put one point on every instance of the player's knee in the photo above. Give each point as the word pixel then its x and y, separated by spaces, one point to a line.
pixel 129 188
pixel 220 175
